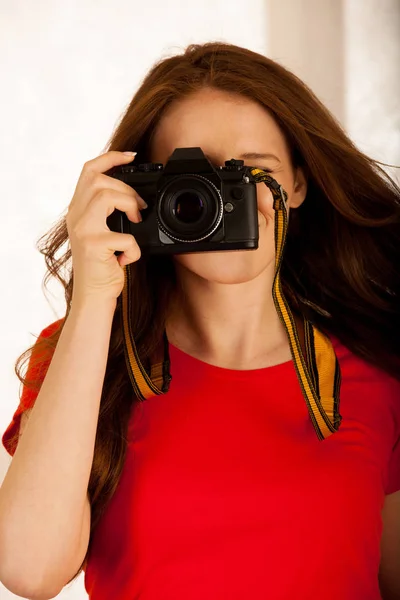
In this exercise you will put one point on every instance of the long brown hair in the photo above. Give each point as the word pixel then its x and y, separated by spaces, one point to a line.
pixel 341 263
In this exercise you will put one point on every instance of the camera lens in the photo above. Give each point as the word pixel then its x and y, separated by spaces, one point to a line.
pixel 190 208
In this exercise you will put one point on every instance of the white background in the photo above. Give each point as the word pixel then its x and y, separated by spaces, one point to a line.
pixel 70 68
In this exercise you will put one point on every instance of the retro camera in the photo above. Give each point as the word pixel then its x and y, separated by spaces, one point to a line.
pixel 192 205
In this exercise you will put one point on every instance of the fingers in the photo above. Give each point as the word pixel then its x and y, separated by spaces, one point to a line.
pixel 106 161
pixel 92 178
pixel 96 267
pixel 101 206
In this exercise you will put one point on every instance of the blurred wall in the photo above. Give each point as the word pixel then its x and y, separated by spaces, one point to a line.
pixel 372 77
pixel 307 36
pixel 348 52
pixel 69 70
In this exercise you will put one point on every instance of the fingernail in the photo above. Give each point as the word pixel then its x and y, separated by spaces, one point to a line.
pixel 142 202
pixel 130 153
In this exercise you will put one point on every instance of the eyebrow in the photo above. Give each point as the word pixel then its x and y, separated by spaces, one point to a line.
pixel 250 155
pixel 257 155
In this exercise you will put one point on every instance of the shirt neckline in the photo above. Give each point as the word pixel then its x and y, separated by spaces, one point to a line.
pixel 193 364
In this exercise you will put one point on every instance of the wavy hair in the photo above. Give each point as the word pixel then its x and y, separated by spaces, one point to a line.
pixel 342 256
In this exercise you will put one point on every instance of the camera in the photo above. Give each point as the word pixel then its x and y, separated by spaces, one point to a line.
pixel 192 205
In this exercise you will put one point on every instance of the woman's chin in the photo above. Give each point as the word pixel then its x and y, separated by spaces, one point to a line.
pixel 230 267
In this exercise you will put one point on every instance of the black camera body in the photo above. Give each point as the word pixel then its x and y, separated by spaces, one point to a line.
pixel 192 206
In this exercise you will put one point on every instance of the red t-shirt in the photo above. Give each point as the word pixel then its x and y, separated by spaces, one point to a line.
pixel 227 492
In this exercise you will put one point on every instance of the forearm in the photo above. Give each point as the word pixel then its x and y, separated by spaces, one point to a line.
pixel 43 495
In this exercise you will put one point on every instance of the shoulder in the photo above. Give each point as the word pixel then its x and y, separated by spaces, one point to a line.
pixel 358 370
pixel 42 351
pixel 367 386
pixel 52 328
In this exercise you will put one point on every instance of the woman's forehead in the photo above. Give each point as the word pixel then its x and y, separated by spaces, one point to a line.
pixel 219 125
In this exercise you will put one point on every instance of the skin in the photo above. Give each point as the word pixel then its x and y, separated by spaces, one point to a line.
pixel 225 313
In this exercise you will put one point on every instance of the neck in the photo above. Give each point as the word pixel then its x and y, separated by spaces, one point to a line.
pixel 231 325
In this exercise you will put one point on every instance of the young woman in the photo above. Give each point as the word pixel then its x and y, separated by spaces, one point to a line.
pixel 269 466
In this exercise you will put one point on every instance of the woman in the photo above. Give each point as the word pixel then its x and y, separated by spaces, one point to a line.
pixel 219 488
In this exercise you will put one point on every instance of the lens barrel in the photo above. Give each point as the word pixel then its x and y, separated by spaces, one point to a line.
pixel 190 208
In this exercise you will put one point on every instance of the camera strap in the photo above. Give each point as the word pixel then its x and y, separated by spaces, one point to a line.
pixel 315 362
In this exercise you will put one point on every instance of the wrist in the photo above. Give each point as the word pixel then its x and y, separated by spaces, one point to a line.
pixel 93 304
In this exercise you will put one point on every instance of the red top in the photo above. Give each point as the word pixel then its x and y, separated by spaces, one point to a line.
pixel 228 493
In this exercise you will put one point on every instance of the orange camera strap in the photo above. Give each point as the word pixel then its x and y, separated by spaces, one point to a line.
pixel 316 364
